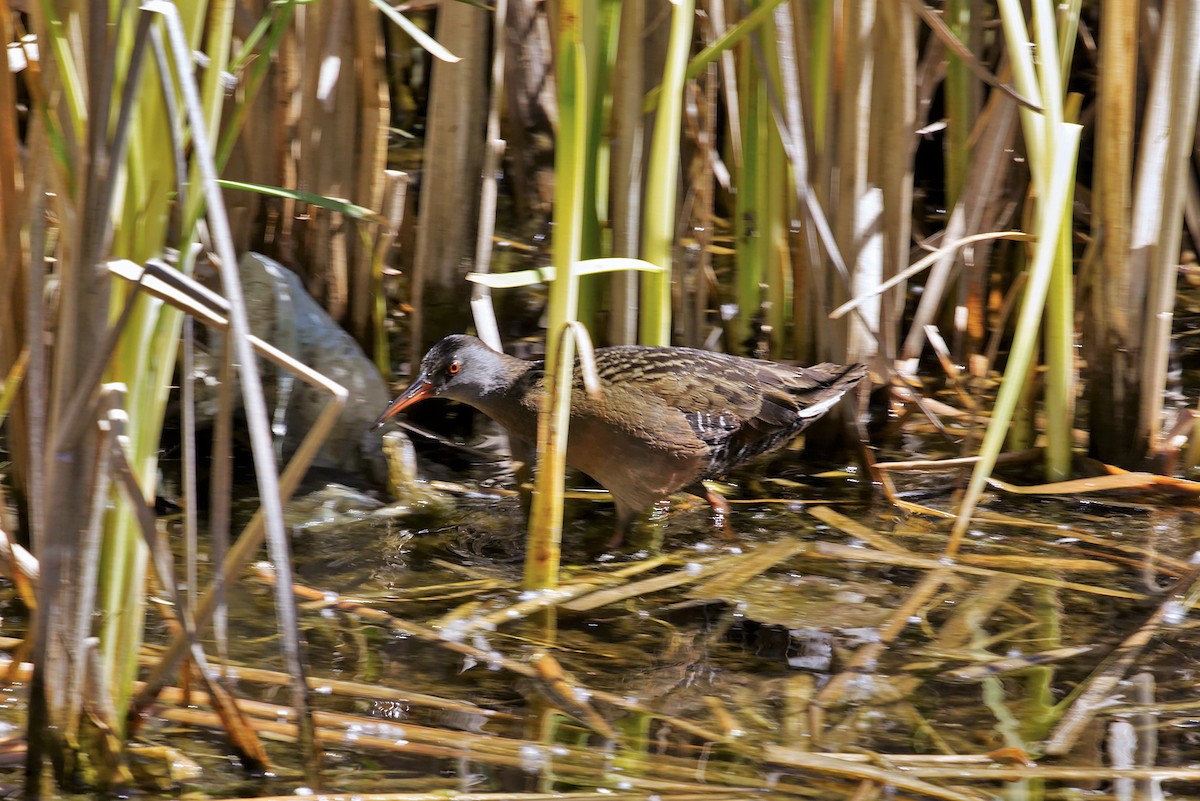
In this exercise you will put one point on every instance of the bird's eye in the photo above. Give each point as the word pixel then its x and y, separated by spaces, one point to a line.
pixel 454 367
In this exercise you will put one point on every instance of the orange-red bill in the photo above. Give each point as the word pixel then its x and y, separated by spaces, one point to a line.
pixel 418 391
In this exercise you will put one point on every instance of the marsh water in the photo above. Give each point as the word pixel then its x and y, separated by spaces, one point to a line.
pixel 698 663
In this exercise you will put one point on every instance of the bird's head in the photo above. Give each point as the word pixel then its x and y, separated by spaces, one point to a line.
pixel 460 368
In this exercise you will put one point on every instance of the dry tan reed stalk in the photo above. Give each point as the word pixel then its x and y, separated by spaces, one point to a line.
pixel 410 596
pixel 855 529
pixel 1174 564
pixel 1012 562
pixel 547 600
pixel 905 781
pixel 1117 481
pixel 1013 457
pixel 983 768
pixel 880 557
pixel 688 575
pixel 754 564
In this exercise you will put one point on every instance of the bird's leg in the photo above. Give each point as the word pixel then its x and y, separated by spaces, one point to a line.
pixel 720 509
pixel 523 455
pixel 625 517
pixel 630 520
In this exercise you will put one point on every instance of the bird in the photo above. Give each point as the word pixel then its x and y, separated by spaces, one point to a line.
pixel 666 418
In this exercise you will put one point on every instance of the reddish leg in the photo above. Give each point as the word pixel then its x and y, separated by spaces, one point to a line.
pixel 720 510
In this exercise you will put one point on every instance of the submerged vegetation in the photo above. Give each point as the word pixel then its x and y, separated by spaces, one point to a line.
pixel 989 204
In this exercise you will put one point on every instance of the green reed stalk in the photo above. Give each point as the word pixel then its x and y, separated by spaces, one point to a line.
pixel 1061 375
pixel 774 206
pixel 12 382
pixel 117 171
pixel 662 180
pixel 145 356
pixel 1024 343
pixel 1053 146
pixel 820 65
pixel 542 553
pixel 278 22
pixel 602 51
pixel 749 212
pixel 1060 323
pixel 958 103
pixel 735 33
pixel 1068 31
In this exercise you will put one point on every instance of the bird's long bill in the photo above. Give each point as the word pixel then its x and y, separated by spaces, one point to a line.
pixel 417 391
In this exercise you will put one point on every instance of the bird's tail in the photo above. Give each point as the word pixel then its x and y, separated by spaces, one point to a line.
pixel 833 381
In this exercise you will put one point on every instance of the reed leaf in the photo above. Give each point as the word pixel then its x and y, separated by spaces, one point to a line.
pixel 351 210
pixel 424 40
pixel 546 275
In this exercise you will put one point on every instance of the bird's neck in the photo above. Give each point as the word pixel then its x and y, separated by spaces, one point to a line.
pixel 513 398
